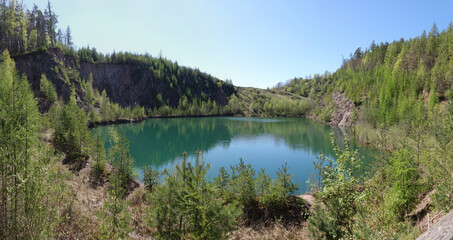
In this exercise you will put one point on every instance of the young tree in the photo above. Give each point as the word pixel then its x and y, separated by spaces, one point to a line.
pixel 151 177
pixel 22 169
pixel 47 90
pixel 187 205
pixel 120 157
pixel 98 158
pixel 333 217
pixel 243 184
pixel 115 216
pixel 403 174
pixel 71 135
pixel 68 37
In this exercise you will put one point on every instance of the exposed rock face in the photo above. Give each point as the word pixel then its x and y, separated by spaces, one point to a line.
pixel 345 107
pixel 441 230
pixel 119 82
pixel 33 65
pixel 126 84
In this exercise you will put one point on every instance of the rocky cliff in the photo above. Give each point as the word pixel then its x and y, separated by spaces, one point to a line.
pixel 126 84
pixel 344 113
pixel 55 65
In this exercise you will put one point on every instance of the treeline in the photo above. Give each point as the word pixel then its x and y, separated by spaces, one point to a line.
pixel 269 103
pixel 183 81
pixel 390 81
pixel 23 30
pixel 311 87
pixel 396 77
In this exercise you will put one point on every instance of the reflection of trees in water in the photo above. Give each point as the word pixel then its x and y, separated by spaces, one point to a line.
pixel 162 141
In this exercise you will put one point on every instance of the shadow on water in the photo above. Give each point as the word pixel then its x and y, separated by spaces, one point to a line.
pixel 264 143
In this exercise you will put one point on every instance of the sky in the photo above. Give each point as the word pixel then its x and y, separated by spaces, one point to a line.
pixel 254 43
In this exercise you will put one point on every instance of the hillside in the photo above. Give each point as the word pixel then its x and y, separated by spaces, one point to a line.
pixel 124 83
pixel 388 81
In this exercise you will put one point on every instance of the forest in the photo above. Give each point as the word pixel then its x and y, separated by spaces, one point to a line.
pixel 401 94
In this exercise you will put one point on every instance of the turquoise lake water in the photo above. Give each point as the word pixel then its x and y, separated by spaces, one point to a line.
pixel 262 142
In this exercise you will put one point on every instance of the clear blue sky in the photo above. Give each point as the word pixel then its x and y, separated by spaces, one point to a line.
pixel 252 42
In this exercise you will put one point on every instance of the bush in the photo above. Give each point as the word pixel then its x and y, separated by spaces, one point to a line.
pixel 115 215
pixel 71 133
pixel 186 205
pixel 150 177
pixel 47 90
pixel 120 156
pixel 333 217
pixel 98 158
pixel 403 173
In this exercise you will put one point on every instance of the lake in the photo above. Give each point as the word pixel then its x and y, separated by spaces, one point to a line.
pixel 262 142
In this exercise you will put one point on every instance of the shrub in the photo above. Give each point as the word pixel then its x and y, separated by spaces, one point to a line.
pixel 47 90
pixel 150 177
pixel 186 205
pixel 98 158
pixel 333 217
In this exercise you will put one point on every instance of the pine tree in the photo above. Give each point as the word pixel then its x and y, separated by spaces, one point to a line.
pixel 115 215
pixel 99 158
pixel 47 90
pixel 338 194
pixel 68 37
pixel 71 135
pixel 22 172
pixel 120 157
pixel 187 205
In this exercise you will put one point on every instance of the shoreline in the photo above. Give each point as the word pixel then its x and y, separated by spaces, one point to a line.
pixel 133 120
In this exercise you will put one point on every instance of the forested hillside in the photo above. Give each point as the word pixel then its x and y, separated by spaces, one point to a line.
pixel 389 81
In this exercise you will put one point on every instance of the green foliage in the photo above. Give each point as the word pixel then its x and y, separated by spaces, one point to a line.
pixel 71 133
pixel 47 90
pixel 115 215
pixel 337 194
pixel 243 184
pixel 443 197
pixel 99 158
pixel 186 205
pixel 390 79
pixel 263 183
pixel 151 177
pixel 120 158
pixel 286 180
pixel 403 174
pixel 24 176
pixel 268 103
pixel 88 87
pixel 314 88
pixel 442 166
pixel 274 192
pixel 324 114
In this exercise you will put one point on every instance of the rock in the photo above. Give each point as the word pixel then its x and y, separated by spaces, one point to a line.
pixel 126 84
pixel 345 107
pixel 441 230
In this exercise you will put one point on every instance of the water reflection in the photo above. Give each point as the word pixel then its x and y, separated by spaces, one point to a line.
pixel 262 142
